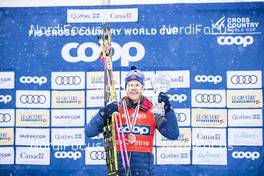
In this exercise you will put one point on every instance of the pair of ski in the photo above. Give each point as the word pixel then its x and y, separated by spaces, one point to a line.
pixel 112 126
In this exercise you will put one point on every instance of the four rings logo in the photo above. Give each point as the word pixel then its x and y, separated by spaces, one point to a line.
pixel 119 52
pixel 98 155
pixel 176 97
pixel 68 80
pixel 5 98
pixel 33 80
pixel 247 155
pixel 32 99
pixel 235 40
pixel 210 78
pixel 70 155
pixel 244 79
pixel 208 98
pixel 5 117
pixel 181 117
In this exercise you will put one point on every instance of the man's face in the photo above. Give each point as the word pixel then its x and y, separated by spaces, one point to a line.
pixel 134 90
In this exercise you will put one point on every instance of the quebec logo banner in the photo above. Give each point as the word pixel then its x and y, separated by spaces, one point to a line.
pixel 51 85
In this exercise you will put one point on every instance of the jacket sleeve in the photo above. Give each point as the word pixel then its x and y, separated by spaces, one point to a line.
pixel 168 125
pixel 95 126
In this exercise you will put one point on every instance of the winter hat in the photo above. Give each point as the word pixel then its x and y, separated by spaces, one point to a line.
pixel 135 74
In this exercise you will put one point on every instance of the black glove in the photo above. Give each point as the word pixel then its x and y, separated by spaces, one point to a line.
pixel 164 98
pixel 108 110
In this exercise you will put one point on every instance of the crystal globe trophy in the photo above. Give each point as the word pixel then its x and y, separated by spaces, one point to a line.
pixel 161 82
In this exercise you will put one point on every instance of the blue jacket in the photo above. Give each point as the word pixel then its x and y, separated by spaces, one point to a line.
pixel 141 162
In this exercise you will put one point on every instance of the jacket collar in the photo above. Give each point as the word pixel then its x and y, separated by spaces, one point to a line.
pixel 145 103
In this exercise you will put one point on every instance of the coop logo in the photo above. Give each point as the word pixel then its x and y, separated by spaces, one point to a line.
pixel 122 53
pixel 177 97
pixel 140 129
pixel 98 155
pixel 33 80
pixel 69 155
pixel 210 78
pixel 5 117
pixel 235 40
pixel 246 155
pixel 68 80
pixel 33 99
pixel 244 79
pixel 5 98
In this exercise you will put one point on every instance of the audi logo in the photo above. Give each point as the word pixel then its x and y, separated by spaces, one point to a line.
pixel 98 155
pixel 208 98
pixel 5 117
pixel 247 155
pixel 68 80
pixel 181 117
pixel 244 79
pixel 33 99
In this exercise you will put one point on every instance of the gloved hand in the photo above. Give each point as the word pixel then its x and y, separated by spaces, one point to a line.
pixel 164 98
pixel 108 110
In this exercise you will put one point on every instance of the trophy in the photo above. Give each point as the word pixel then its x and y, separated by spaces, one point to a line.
pixel 161 82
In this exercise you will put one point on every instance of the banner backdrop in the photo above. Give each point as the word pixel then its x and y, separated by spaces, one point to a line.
pixel 51 85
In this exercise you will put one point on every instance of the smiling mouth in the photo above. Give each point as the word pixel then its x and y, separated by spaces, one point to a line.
pixel 134 93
